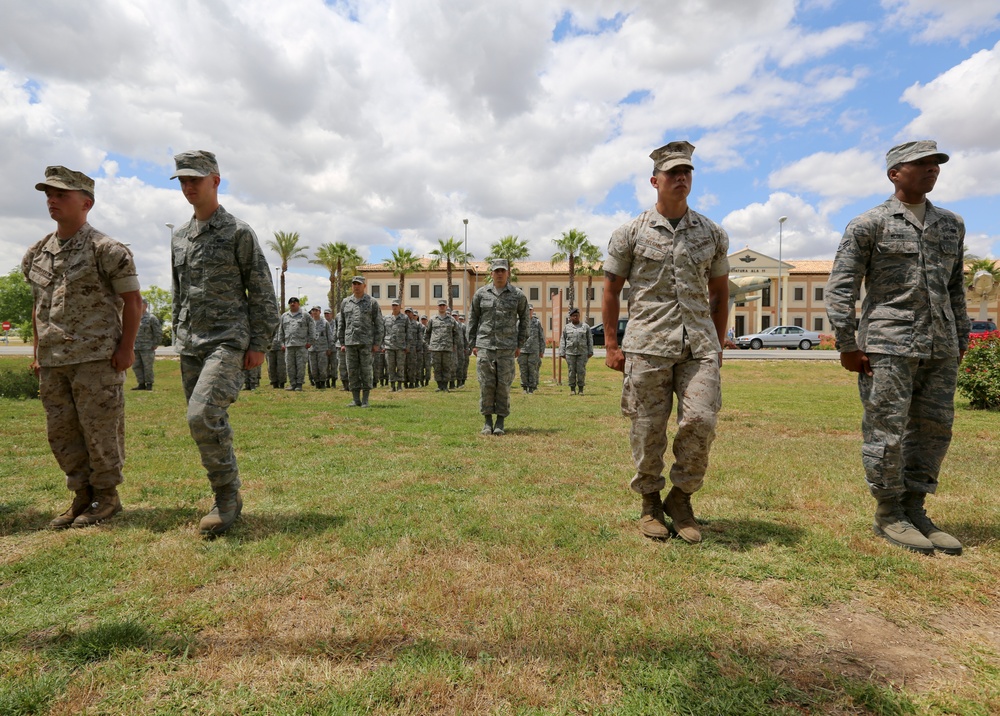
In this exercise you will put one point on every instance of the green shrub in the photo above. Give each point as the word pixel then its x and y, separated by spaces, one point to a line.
pixel 979 374
pixel 19 384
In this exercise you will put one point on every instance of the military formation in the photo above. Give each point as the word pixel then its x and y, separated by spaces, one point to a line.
pixel 91 325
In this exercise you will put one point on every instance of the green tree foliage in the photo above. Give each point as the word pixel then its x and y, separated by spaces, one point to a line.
pixel 511 248
pixel 340 260
pixel 979 374
pixel 591 264
pixel 449 252
pixel 403 261
pixel 570 247
pixel 160 304
pixel 15 298
pixel 976 265
pixel 286 245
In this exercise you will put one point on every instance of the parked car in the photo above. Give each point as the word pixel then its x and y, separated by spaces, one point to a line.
pixel 981 328
pixel 790 337
pixel 598 332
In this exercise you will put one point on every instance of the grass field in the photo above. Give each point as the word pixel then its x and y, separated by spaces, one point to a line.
pixel 394 561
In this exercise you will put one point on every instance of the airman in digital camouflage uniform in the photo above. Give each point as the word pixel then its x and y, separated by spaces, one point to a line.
pixel 425 362
pixel 576 345
pixel 498 325
pixel 441 336
pixel 296 331
pixel 361 332
pixel 530 360
pixel 345 381
pixel 397 331
pixel 463 365
pixel 277 375
pixel 333 356
pixel 415 343
pixel 674 260
pixel 146 340
pixel 913 333
pixel 224 316
pixel 318 349
pixel 85 315
pixel 458 353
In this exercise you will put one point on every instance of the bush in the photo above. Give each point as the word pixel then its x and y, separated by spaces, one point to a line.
pixel 827 342
pixel 19 384
pixel 979 374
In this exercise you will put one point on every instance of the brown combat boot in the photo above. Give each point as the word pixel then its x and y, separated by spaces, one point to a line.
pixel 227 507
pixel 106 504
pixel 80 504
pixel 677 504
pixel 913 506
pixel 651 522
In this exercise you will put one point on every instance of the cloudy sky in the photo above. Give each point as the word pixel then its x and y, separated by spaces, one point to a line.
pixel 385 123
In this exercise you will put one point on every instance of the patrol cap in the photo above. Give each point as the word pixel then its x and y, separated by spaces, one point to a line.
pixel 531 306
pixel 675 154
pixel 196 163
pixel 423 318
pixel 314 308
pixel 912 151
pixel 407 310
pixel 574 311
pixel 358 279
pixel 395 302
pixel 57 177
pixel 327 310
pixel 442 302
pixel 497 264
pixel 293 299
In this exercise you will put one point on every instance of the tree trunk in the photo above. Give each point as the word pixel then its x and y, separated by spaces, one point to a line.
pixel 570 292
pixel 448 270
pixel 590 283
pixel 402 286
pixel 284 267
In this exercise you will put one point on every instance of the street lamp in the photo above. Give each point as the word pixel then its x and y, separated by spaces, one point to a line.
pixel 781 220
pixel 464 301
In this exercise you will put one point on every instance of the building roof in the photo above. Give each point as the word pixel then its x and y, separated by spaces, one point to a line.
pixel 824 267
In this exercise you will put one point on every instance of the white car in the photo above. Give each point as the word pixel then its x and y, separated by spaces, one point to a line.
pixel 791 337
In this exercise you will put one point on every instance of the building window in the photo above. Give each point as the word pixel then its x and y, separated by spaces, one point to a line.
pixel 533 293
pixel 590 321
pixel 454 290
pixel 819 294
pixel 414 290
pixel 765 297
pixel 390 291
pixel 438 290
pixel 376 291
pixel 553 292
pixel 818 322
pixel 591 294
pixel 798 322
pixel 800 293
pixel 765 322
pixel 625 292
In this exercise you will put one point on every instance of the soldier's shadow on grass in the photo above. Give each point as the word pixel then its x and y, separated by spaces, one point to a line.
pixel 257 525
pixel 532 431
pixel 971 534
pixel 21 516
pixel 157 519
pixel 744 535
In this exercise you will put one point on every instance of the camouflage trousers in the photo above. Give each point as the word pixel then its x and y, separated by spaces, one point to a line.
pixel 85 419
pixel 212 383
pixel 647 399
pixel 276 372
pixel 143 366
pixel 359 367
pixel 576 365
pixel 317 366
pixel 251 378
pixel 414 366
pixel 909 408
pixel 426 365
pixel 528 365
pixel 342 367
pixel 495 371
pixel 295 365
pixel 463 368
pixel 379 367
pixel 396 361
pixel 444 365
pixel 332 362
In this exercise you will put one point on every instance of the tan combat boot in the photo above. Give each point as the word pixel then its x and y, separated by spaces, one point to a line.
pixel 892 524
pixel 106 504
pixel 651 522
pixel 913 506
pixel 227 507
pixel 677 504
pixel 80 504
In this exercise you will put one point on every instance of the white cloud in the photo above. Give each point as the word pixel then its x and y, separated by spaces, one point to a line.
pixel 937 20
pixel 837 177
pixel 807 234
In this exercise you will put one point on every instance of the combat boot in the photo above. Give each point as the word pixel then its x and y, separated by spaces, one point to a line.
pixel 139 386
pixel 228 506
pixel 364 398
pixel 357 399
pixel 440 388
pixel 892 524
pixel 106 504
pixel 651 521
pixel 677 504
pixel 488 426
pixel 579 391
pixel 498 428
pixel 913 506
pixel 572 390
pixel 80 504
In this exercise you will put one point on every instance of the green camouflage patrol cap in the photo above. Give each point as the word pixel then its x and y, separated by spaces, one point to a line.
pixel 196 163
pixel 498 264
pixel 675 154
pixel 395 302
pixel 442 302
pixel 62 178
pixel 912 151
pixel 358 279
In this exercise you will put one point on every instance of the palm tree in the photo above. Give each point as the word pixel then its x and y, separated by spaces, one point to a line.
pixel 976 265
pixel 339 259
pixel 449 251
pixel 286 245
pixel 569 248
pixel 403 261
pixel 511 248
pixel 591 264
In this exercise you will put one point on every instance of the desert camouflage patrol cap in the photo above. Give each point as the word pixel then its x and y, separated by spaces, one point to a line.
pixel 497 264
pixel 57 177
pixel 358 279
pixel 912 151
pixel 196 163
pixel 675 154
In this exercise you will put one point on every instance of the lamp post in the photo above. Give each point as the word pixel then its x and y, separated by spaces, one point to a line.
pixel 781 220
pixel 464 301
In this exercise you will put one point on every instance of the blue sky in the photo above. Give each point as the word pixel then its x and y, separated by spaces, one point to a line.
pixel 384 123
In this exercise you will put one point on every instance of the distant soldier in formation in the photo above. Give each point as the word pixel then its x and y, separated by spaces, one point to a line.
pixel 463 364
pixel 530 361
pixel 297 332
pixel 576 345
pixel 458 353
pixel 342 359
pixel 361 333
pixel 442 337
pixel 251 378
pixel 425 362
pixel 414 355
pixel 277 375
pixel 319 349
pixel 380 368
pixel 397 330
pixel 333 355
pixel 499 326
pixel 146 340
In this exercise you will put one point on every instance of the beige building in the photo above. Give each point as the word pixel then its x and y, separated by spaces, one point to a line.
pixel 803 284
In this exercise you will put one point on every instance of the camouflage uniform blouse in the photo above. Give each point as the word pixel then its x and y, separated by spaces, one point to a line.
pixel 499 319
pixel 360 322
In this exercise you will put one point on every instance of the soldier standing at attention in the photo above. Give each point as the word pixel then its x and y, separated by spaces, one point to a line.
pixel 361 333
pixel 146 340
pixel 296 331
pixel 463 365
pixel 913 333
pixel 675 262
pixel 498 326
pixel 85 317
pixel 318 348
pixel 441 337
pixel 224 317
pixel 458 352
pixel 415 342
pixel 276 372
pixel 530 360
pixel 577 346
pixel 397 327
pixel 333 355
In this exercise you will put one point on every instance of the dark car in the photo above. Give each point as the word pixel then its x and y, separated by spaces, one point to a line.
pixel 981 328
pixel 598 332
